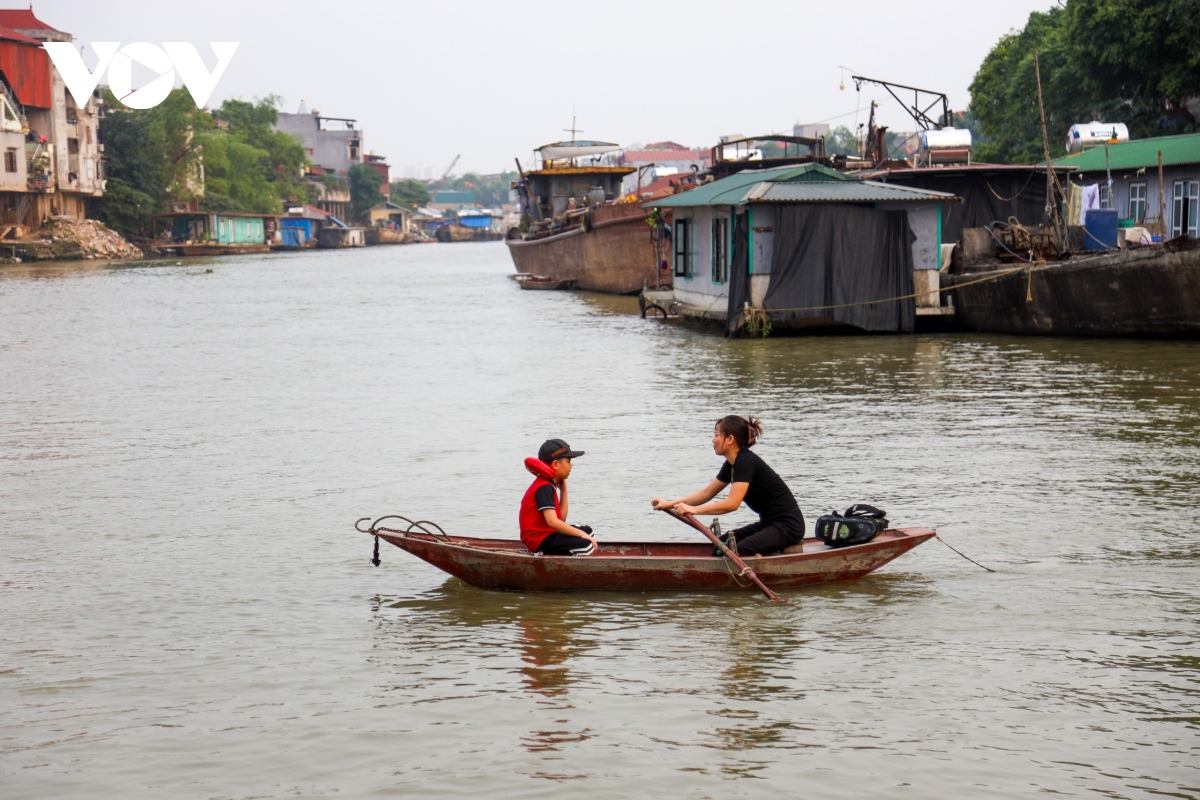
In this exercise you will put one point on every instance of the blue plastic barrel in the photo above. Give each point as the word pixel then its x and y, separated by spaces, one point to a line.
pixel 1101 227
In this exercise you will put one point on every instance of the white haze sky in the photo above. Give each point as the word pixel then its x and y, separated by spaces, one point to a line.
pixel 492 81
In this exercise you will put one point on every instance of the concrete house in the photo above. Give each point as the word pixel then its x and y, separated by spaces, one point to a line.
pixel 333 144
pixel 777 240
pixel 50 145
pixel 1135 188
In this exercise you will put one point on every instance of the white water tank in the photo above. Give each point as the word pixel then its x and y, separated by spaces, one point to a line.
pixel 946 146
pixel 1095 134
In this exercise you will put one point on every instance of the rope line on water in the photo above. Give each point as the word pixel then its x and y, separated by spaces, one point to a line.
pixel 968 558
pixel 996 276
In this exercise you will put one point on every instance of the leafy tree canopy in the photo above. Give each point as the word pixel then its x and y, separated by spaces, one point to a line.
pixel 153 155
pixel 231 160
pixel 489 190
pixel 1132 61
pixel 410 192
pixel 364 189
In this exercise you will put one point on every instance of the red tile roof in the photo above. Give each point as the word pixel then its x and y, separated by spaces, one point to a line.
pixel 13 36
pixel 22 19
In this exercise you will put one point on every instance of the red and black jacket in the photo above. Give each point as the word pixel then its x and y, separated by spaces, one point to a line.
pixel 534 528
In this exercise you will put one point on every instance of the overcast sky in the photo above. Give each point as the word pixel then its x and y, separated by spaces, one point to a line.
pixel 492 81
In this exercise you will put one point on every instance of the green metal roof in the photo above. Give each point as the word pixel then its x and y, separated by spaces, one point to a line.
pixel 454 196
pixel 730 191
pixel 850 192
pixel 1139 153
pixel 811 183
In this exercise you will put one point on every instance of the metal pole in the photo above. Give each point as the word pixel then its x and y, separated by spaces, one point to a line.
pixel 1162 204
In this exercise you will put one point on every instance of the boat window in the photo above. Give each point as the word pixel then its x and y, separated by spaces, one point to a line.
pixel 720 249
pixel 1137 201
pixel 683 248
pixel 1186 208
pixel 560 187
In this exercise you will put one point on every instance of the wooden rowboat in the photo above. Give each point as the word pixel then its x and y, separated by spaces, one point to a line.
pixel 651 566
pixel 541 282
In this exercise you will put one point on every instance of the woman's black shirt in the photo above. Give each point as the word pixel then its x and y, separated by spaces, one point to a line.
pixel 768 495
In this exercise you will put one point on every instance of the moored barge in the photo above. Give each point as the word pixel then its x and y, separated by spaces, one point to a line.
pixel 573 227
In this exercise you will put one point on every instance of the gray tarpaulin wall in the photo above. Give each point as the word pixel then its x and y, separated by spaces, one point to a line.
pixel 832 254
pixel 739 274
pixel 985 197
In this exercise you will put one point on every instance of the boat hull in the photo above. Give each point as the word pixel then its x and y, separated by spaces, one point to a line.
pixel 1147 292
pixel 461 233
pixel 640 567
pixel 379 235
pixel 616 256
pixel 215 249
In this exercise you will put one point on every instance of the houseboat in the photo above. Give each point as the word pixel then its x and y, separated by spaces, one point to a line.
pixel 298 228
pixel 1117 276
pixel 389 223
pixel 200 233
pixel 574 228
pixel 804 249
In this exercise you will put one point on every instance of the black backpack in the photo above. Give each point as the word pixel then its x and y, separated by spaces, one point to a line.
pixel 860 524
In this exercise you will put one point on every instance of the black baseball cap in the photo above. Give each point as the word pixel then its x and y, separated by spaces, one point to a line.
pixel 553 449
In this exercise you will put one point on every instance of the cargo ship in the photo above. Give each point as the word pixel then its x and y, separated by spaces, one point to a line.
pixel 576 226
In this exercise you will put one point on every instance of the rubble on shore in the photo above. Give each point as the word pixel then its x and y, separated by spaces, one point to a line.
pixel 67 239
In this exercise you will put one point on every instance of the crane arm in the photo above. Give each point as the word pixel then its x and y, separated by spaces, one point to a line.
pixel 919 114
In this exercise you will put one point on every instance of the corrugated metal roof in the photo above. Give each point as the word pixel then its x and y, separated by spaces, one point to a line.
pixel 840 192
pixel 731 191
pixel 1184 149
pixel 810 183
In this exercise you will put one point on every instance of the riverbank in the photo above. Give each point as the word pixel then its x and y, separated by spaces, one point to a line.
pixel 68 239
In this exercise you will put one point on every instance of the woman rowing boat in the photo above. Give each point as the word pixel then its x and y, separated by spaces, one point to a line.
pixel 780 523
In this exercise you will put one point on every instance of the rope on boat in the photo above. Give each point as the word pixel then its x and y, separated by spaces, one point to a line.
pixel 968 558
pixel 417 525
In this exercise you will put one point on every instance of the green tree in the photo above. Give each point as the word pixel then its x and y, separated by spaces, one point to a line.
pixel 237 177
pixel 125 209
pixel 410 192
pixel 364 189
pixel 153 156
pixel 841 141
pixel 1004 95
pixel 1115 60
pixel 1144 52
pixel 489 190
pixel 285 158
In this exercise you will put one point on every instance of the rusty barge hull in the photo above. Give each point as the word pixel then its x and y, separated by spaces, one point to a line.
pixel 1151 292
pixel 503 564
pixel 615 256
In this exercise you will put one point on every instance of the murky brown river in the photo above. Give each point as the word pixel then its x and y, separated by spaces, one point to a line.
pixel 186 610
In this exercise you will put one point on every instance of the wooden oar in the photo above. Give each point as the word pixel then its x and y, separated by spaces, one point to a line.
pixel 690 519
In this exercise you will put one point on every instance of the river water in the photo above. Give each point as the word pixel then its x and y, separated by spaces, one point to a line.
pixel 186 609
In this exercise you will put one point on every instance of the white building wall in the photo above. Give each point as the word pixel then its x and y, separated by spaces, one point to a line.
pixel 762 238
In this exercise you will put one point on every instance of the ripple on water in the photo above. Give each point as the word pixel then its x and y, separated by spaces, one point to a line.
pixel 187 612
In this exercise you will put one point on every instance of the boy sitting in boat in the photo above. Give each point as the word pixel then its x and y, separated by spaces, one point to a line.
pixel 544 528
